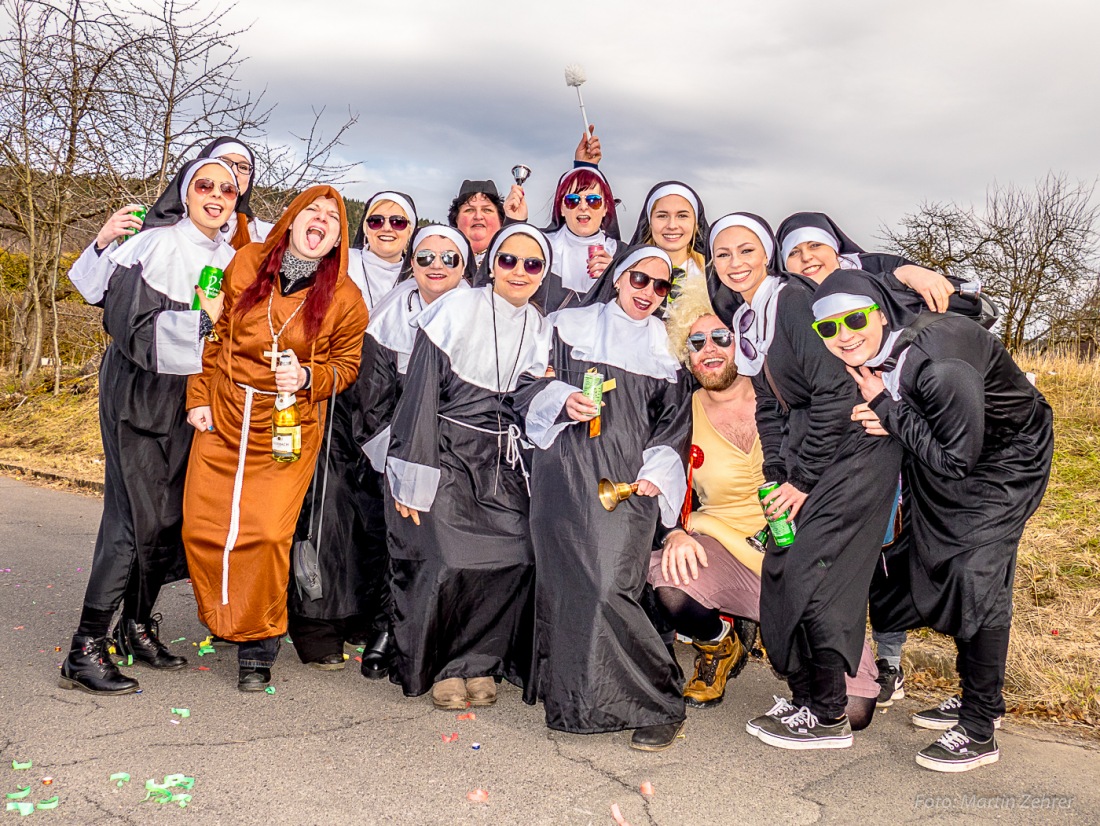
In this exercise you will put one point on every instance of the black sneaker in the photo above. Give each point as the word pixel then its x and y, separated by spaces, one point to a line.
pixel 802 730
pixel 944 716
pixel 956 751
pixel 891 683
pixel 782 708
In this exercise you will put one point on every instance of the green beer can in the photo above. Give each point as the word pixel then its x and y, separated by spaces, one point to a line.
pixel 210 282
pixel 592 389
pixel 140 214
pixel 781 526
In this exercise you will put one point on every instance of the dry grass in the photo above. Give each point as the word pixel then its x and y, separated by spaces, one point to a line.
pixel 1054 658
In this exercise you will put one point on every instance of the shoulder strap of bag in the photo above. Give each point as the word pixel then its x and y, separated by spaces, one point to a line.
pixel 775 387
pixel 328 412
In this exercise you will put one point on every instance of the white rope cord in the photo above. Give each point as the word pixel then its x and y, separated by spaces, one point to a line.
pixel 512 453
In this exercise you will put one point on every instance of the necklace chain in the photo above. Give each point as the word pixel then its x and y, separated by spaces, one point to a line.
pixel 271 326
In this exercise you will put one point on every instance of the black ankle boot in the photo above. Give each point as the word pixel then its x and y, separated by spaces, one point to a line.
pixel 89 668
pixel 253 679
pixel 379 657
pixel 140 641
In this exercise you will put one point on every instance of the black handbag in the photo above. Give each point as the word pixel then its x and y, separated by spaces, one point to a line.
pixel 305 554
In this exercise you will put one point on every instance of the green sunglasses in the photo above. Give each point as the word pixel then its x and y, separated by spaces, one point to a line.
pixel 856 320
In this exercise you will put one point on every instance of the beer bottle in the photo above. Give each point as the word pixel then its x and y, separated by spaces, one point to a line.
pixel 286 425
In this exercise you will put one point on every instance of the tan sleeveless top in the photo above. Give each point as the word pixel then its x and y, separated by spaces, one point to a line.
pixel 727 483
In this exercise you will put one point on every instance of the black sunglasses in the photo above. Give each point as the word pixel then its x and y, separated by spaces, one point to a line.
pixel 448 258
pixel 573 200
pixel 397 222
pixel 639 281
pixel 531 266
pixel 748 349
pixel 720 336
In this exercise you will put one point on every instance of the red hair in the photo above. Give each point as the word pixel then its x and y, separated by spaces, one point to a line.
pixel 320 294
pixel 579 180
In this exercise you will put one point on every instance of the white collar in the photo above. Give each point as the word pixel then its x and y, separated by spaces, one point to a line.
pixel 762 330
pixel 172 257
pixel 393 323
pixel 605 334
pixel 571 257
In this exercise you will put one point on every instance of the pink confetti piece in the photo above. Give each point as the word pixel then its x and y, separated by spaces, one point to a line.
pixel 617 816
pixel 469 715
pixel 449 738
pixel 646 789
pixel 478 796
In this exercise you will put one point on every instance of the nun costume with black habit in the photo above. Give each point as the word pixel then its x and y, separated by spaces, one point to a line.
pixel 156 343
pixel 374 276
pixel 813 598
pixel 340 591
pixel 462 577
pixel 978 441
pixel 694 265
pixel 91 271
pixel 601 666
pixel 567 285
pixel 345 593
pixel 817 227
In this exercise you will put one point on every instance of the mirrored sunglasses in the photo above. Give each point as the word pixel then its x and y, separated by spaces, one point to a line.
pixel 448 258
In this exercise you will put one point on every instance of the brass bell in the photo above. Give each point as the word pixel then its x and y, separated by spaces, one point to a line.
pixel 612 493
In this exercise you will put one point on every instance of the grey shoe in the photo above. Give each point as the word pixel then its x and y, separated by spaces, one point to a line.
pixel 782 708
pixel 944 716
pixel 803 731
pixel 957 751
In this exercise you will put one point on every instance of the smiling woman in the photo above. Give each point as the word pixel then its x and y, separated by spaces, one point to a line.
pixel 673 220
pixel 289 296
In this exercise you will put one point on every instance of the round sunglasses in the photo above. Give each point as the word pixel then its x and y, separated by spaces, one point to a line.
pixel 720 336
pixel 639 281
pixel 397 222
pixel 244 167
pixel 206 186
pixel 448 258
pixel 854 321
pixel 531 266
pixel 573 200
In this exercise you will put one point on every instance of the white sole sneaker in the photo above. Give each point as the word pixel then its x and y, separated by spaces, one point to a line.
pixel 944 725
pixel 954 767
pixel 840 742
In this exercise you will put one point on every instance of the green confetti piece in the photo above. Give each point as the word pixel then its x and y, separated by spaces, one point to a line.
pixel 205 649
pixel 182 799
pixel 15 764
pixel 182 712
pixel 129 659
pixel 22 807
pixel 270 689
pixel 19 795
pixel 181 639
pixel 360 650
pixel 121 777
pixel 121 664
pixel 49 803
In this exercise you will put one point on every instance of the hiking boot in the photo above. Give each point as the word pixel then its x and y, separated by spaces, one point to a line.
pixel 450 694
pixel 803 730
pixel 891 682
pixel 139 642
pixel 715 664
pixel 944 716
pixel 89 667
pixel 481 691
pixel 956 751
pixel 782 708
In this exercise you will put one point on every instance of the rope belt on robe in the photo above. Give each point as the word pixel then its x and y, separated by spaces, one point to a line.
pixel 512 453
pixel 238 485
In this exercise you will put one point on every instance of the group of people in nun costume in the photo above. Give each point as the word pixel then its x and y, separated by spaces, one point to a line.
pixel 444 515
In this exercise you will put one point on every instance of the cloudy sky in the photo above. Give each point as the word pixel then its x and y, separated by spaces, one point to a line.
pixel 859 109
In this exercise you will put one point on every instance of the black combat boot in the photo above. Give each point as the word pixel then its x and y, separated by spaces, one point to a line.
pixel 89 668
pixel 140 641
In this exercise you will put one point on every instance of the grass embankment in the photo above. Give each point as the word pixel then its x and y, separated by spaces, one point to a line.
pixel 1054 658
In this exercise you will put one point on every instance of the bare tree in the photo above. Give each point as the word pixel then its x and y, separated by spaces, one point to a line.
pixel 1035 251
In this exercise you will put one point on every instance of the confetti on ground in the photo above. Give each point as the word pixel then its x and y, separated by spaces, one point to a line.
pixel 182 712
pixel 49 803
pixel 23 807
pixel 47 781
pixel 360 649
pixel 447 738
pixel 181 639
pixel 646 789
pixel 270 689
pixel 205 649
pixel 469 715
pixel 15 764
pixel 202 668
pixel 19 628
pixel 617 816
pixel 174 722
pixel 478 796
pixel 165 793
pixel 19 795
pixel 475 746
pixel 121 777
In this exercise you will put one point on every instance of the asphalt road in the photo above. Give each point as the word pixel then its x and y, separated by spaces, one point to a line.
pixel 333 748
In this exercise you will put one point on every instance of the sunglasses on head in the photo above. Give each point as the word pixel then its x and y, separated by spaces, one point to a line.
pixel 720 336
pixel 639 281
pixel 856 320
pixel 448 258
pixel 397 222
pixel 205 186
pixel 573 200
pixel 531 266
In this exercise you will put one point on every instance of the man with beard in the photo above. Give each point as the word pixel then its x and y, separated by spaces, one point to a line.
pixel 711 570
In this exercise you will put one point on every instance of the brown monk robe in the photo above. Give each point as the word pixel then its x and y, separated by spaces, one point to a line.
pixel 240 505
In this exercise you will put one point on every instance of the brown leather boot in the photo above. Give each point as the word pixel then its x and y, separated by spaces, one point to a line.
pixel 449 694
pixel 715 664
pixel 481 691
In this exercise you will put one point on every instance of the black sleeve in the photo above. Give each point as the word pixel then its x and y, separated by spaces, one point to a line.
pixel 944 426
pixel 771 424
pixel 375 389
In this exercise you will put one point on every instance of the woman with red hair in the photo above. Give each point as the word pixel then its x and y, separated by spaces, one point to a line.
pixel 584 234
pixel 290 296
